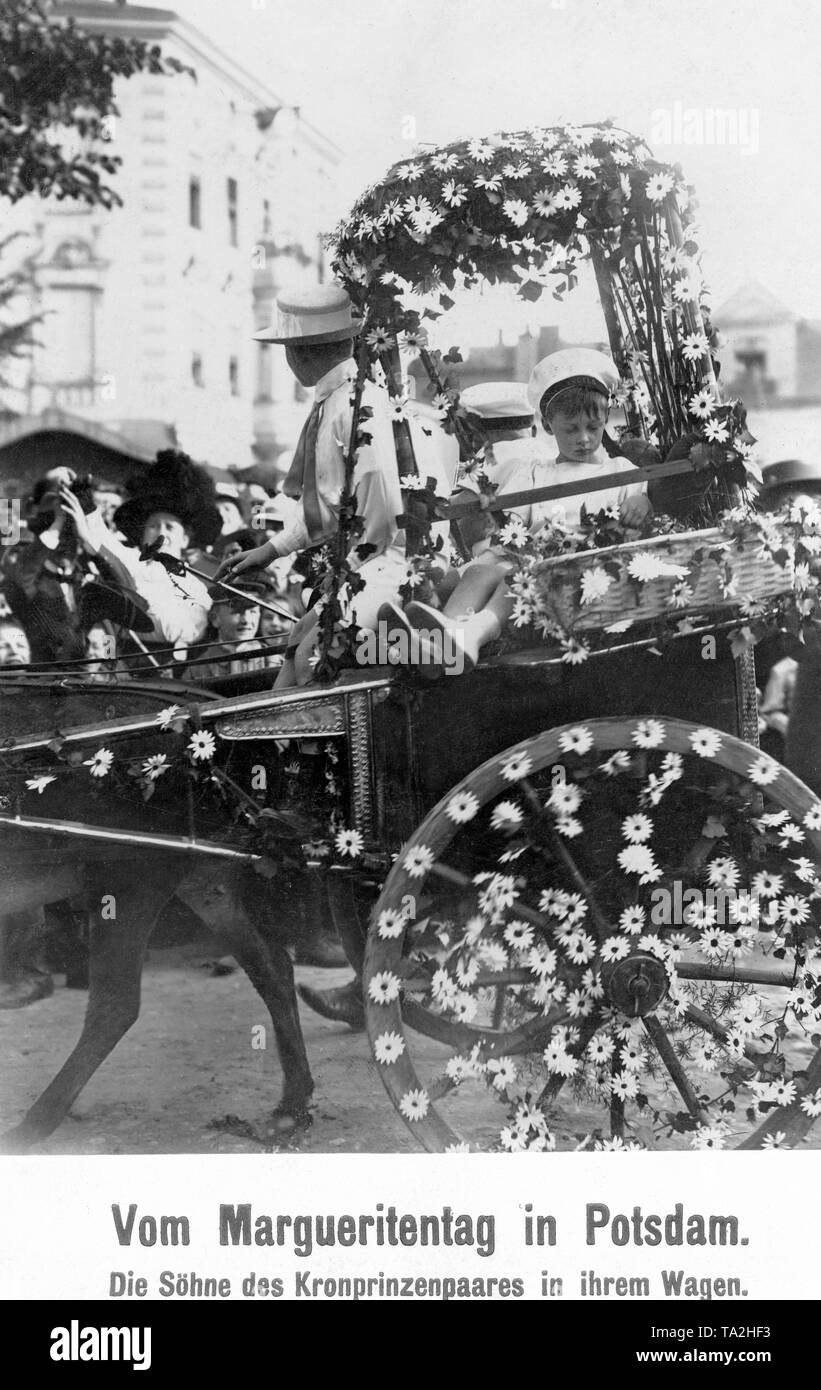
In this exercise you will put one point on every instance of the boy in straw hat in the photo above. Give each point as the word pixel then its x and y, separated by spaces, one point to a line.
pixel 570 389
pixel 316 328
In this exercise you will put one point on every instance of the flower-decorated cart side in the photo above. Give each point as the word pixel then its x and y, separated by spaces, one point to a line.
pixel 611 927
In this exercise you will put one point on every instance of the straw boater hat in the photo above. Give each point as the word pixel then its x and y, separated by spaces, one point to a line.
pixel 318 314
pixel 554 374
pixel 500 403
pixel 175 485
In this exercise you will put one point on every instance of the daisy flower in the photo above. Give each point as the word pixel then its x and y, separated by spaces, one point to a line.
pixel 699 914
pixel 166 716
pixel 794 909
pixel 702 404
pixel 518 935
pixel 516 211
pixel 624 1085
pixel 390 924
pixel 379 338
pixel 517 766
pixel 723 872
pixel 774 1141
pixel 811 1104
pixel 705 742
pixel 579 947
pixel 408 172
pixel 414 1105
pixel 600 1049
pixel 812 819
pixel 632 920
pixel 201 746
pixel 443 987
pixel 716 432
pixel 349 842
pixel 569 826
pixel 462 807
pixel 464 1007
pixel 503 1071
pixel 453 193
pixel 387 1047
pixel 545 203
pixel 615 948
pixel 541 960
pixel 616 763
pixel 383 987
pixel 715 943
pixel 708 1137
pixel 555 164
pixel 694 347
pixel 99 764
pixel 418 861
pixel 585 166
pixel 658 186
pixel 638 859
pixel 39 784
pixel 480 150
pixel 565 798
pixel 763 771
pixel 649 733
pixel 444 162
pixel 767 885
pixel 506 816
pixel 637 828
pixel 155 766
pixel 577 740
pixel 595 583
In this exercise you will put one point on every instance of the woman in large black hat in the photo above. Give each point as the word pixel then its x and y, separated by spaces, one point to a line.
pixel 173 506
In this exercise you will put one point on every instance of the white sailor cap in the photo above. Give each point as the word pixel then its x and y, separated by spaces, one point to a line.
pixel 497 400
pixel 555 372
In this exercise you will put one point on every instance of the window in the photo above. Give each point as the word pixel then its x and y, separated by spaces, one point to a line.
pixel 233 375
pixel 194 202
pixel 196 369
pixel 233 228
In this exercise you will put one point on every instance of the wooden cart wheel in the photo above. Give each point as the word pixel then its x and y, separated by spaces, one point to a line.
pixel 611 928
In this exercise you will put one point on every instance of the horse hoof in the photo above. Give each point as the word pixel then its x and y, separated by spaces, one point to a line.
pixel 284 1124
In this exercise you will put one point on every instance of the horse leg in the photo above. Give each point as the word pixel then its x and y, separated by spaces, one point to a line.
pixel 231 904
pixel 117 951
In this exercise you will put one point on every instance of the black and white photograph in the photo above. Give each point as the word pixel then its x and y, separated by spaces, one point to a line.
pixel 410 670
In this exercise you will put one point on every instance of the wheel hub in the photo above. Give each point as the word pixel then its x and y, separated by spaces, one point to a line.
pixel 636 985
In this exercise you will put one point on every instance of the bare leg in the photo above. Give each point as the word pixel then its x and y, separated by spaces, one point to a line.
pixel 478 582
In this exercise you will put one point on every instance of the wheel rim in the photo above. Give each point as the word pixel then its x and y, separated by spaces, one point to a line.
pixel 692 1016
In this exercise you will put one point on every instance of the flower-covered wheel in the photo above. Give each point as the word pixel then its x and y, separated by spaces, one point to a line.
pixel 613 930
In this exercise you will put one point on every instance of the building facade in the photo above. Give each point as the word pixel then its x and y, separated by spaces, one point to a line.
pixel 149 309
pixel 772 356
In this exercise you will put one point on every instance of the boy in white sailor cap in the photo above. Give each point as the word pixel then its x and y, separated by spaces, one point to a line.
pixel 570 390
pixel 317 330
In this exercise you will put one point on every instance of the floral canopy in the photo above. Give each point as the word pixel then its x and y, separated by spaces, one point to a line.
pixel 525 209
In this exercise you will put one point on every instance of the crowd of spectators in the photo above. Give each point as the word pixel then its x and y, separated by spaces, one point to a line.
pixel 61 605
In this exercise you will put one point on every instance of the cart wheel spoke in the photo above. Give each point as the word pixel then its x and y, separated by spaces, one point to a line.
pixel 667 1053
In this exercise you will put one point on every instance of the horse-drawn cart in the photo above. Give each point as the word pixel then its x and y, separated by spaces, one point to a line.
pixel 582 882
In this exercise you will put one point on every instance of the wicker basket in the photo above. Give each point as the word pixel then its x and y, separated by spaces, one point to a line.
pixel 558 580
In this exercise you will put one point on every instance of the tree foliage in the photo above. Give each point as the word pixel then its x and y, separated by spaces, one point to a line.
pixel 56 97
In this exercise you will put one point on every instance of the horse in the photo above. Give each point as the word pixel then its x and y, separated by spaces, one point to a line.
pixel 224 891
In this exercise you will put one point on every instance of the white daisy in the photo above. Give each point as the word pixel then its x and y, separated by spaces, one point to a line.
pixel 723 872
pixel 503 1071
pixel 506 816
pixel 39 784
pixel 763 771
pixel 418 861
pixel 577 740
pixel 632 920
pixel 414 1105
pixel 166 716
pixel 155 766
pixel 637 828
pixel 517 766
pixel 812 820
pixel 565 798
pixel 387 1047
pixel 649 733
pixel 618 762
pixel 390 924
pixel 702 404
pixel 462 807
pixel 383 987
pixel 638 859
pixel 595 583
pixel 705 742
pixel 349 842
pixel 99 764
pixel 658 186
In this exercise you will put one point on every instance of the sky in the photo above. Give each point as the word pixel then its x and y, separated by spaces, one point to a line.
pixel 382 75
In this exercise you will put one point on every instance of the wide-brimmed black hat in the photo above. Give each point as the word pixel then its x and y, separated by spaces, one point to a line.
pixel 176 485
